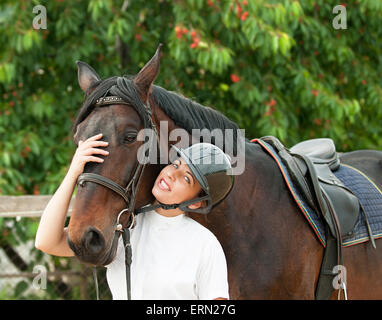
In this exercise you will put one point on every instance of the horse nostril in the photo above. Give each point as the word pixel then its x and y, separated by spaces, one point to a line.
pixel 93 241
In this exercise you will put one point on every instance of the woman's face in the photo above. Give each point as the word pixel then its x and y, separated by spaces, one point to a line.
pixel 175 183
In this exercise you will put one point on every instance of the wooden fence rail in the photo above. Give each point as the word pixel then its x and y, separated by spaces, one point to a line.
pixel 25 206
pixel 32 206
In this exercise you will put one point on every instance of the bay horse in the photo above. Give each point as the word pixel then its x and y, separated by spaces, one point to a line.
pixel 271 251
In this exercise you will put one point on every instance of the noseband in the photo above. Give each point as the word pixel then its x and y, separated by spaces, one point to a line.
pixel 128 193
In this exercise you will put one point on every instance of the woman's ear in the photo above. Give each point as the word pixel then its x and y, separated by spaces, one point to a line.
pixel 196 205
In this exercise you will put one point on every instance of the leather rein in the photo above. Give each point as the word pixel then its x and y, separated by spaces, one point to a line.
pixel 128 193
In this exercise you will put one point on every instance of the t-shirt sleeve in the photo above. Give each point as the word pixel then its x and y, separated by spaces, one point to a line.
pixel 212 279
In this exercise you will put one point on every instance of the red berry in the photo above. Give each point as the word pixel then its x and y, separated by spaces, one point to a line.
pixel 272 103
pixel 315 92
pixel 244 15
pixel 235 78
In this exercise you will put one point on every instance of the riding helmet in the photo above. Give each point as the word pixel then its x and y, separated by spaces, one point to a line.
pixel 212 169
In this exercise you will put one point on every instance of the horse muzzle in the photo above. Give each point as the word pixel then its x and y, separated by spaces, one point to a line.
pixel 93 248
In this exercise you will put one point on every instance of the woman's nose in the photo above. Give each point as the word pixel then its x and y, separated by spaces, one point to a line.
pixel 172 173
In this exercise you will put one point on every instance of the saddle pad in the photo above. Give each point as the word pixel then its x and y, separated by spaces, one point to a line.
pixel 369 195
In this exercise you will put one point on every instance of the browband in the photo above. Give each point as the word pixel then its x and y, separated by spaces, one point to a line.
pixel 109 100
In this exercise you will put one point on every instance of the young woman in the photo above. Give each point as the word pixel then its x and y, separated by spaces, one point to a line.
pixel 174 257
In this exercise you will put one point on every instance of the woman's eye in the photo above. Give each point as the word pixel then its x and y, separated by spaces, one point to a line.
pixel 175 165
pixel 187 179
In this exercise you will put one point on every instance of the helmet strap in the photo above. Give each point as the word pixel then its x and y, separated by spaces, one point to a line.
pixel 182 206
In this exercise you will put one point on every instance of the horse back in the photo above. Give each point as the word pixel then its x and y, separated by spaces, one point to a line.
pixel 367 161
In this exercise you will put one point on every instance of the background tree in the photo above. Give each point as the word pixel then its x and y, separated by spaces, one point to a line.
pixel 275 67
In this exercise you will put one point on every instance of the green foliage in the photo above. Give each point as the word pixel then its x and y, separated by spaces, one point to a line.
pixel 275 67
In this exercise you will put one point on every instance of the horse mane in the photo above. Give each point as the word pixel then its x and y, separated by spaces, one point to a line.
pixel 189 114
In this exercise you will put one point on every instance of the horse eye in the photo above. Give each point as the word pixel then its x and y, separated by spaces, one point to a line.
pixel 130 138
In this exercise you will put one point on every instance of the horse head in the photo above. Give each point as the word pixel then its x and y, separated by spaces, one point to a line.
pixel 92 228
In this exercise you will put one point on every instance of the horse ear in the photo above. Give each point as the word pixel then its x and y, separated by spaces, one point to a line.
pixel 145 78
pixel 86 75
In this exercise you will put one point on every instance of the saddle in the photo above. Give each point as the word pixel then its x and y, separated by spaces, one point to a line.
pixel 311 165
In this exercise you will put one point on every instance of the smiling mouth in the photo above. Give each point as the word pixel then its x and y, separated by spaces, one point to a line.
pixel 163 185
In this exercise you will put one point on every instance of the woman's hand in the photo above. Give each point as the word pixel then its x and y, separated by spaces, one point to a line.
pixel 84 154
pixel 51 234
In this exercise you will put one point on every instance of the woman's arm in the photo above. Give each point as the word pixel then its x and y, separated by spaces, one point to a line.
pixel 51 234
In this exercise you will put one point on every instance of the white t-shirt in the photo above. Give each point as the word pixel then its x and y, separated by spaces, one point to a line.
pixel 172 258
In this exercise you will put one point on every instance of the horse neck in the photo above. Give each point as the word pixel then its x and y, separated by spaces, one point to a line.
pixel 165 125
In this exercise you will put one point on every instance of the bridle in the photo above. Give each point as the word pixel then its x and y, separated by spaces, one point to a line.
pixel 128 193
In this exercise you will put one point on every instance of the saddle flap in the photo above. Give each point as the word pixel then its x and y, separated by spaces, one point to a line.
pixel 342 200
